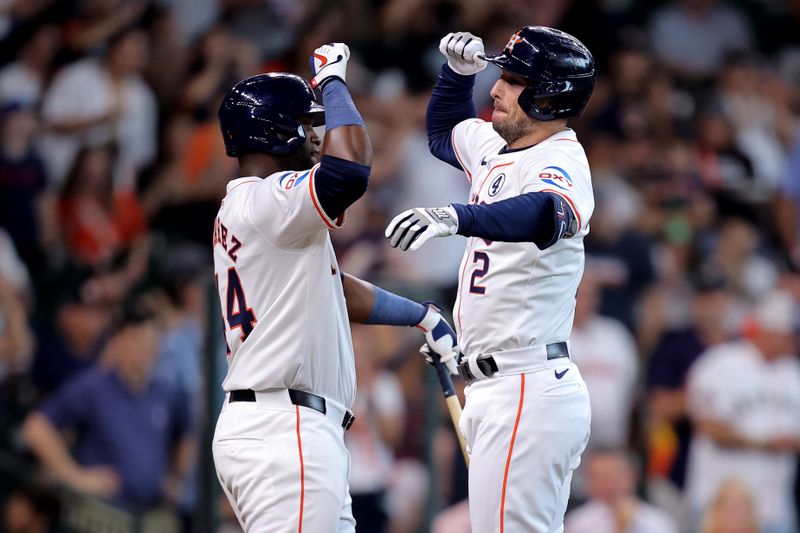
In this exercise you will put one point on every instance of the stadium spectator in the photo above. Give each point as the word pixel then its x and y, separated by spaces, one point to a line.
pixel 98 101
pixel 692 37
pixel 605 351
pixel 97 220
pixel 26 209
pixel 733 510
pixel 613 505
pixel 669 366
pixel 744 399
pixel 128 423
pixel 23 81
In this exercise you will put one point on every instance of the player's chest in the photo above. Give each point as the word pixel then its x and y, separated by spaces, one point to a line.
pixel 495 180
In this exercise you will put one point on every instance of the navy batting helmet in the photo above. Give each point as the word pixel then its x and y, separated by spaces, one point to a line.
pixel 262 114
pixel 558 68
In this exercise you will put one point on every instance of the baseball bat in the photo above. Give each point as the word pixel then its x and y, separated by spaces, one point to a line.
pixel 453 404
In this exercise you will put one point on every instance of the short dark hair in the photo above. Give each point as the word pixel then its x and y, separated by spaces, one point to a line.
pixel 130 314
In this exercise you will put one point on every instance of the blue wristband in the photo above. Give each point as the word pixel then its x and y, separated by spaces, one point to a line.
pixel 339 107
pixel 393 310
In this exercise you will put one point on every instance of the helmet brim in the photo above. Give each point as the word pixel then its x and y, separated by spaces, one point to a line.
pixel 511 64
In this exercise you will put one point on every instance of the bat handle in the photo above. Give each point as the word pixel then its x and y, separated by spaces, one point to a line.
pixel 453 404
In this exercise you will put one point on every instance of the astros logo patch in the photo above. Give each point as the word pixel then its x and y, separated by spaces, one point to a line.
pixel 497 184
pixel 558 177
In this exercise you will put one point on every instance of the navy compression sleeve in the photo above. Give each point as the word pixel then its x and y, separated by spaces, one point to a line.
pixel 451 103
pixel 540 218
pixel 339 182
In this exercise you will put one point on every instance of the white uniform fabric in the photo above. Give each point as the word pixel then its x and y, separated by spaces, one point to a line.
pixel 286 327
pixel 598 517
pixel 526 297
pixel 527 426
pixel 284 468
pixel 732 383
pixel 84 91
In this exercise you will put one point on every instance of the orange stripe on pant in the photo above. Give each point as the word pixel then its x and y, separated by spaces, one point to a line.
pixel 302 471
pixel 510 451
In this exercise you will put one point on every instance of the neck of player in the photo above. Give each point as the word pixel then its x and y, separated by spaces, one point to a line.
pixel 261 165
pixel 538 132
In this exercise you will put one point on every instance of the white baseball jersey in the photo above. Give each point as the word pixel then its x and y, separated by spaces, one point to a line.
pixel 280 289
pixel 513 295
pixel 732 383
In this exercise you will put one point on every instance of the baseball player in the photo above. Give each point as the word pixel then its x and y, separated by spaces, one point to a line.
pixel 279 443
pixel 527 413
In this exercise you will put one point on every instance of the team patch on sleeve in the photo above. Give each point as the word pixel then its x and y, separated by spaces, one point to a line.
pixel 557 177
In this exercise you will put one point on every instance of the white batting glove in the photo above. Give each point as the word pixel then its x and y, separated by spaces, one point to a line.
pixel 440 338
pixel 414 227
pixel 329 61
pixel 464 52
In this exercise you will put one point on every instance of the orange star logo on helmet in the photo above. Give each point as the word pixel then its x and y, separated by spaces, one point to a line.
pixel 514 40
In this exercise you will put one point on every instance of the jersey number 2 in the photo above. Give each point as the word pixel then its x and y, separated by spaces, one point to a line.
pixel 239 315
pixel 479 272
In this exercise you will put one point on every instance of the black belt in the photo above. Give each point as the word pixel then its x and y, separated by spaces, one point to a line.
pixel 298 397
pixel 488 365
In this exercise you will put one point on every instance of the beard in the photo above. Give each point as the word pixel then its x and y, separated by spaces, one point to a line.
pixel 510 129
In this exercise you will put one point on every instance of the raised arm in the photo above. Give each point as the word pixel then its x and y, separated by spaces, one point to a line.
pixel 451 101
pixel 344 169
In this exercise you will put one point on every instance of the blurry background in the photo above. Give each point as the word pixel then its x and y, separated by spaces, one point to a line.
pixel 112 169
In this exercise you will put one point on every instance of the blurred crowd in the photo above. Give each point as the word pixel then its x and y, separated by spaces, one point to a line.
pixel 112 168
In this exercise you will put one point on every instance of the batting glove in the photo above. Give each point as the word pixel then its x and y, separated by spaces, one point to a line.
pixel 440 340
pixel 329 61
pixel 414 227
pixel 464 52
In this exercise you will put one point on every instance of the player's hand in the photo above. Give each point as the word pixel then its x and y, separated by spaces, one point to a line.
pixel 414 227
pixel 440 338
pixel 329 61
pixel 464 52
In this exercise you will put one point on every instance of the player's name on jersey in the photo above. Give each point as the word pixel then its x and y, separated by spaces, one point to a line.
pixel 221 237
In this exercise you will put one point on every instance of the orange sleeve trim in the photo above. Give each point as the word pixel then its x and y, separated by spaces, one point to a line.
pixel 455 151
pixel 571 204
pixel 313 192
pixel 302 471
pixel 510 451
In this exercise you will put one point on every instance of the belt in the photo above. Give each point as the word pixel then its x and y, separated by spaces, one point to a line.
pixel 488 366
pixel 298 397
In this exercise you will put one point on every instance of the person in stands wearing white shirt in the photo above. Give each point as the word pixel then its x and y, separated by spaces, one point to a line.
pixel 98 101
pixel 606 353
pixel 744 399
pixel 613 505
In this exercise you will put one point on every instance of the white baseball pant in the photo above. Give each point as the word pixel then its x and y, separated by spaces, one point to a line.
pixel 284 468
pixel 525 434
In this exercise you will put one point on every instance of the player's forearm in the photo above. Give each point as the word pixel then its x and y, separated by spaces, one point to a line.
pixel 49 446
pixel 368 304
pixel 540 218
pixel 345 133
pixel 451 103
pixel 724 435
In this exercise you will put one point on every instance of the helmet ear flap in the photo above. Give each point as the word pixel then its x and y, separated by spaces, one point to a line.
pixel 527 101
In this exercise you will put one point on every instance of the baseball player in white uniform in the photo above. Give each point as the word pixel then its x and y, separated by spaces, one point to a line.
pixel 527 413
pixel 279 442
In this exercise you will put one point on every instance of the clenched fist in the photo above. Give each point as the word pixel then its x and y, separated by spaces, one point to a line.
pixel 329 61
pixel 464 52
